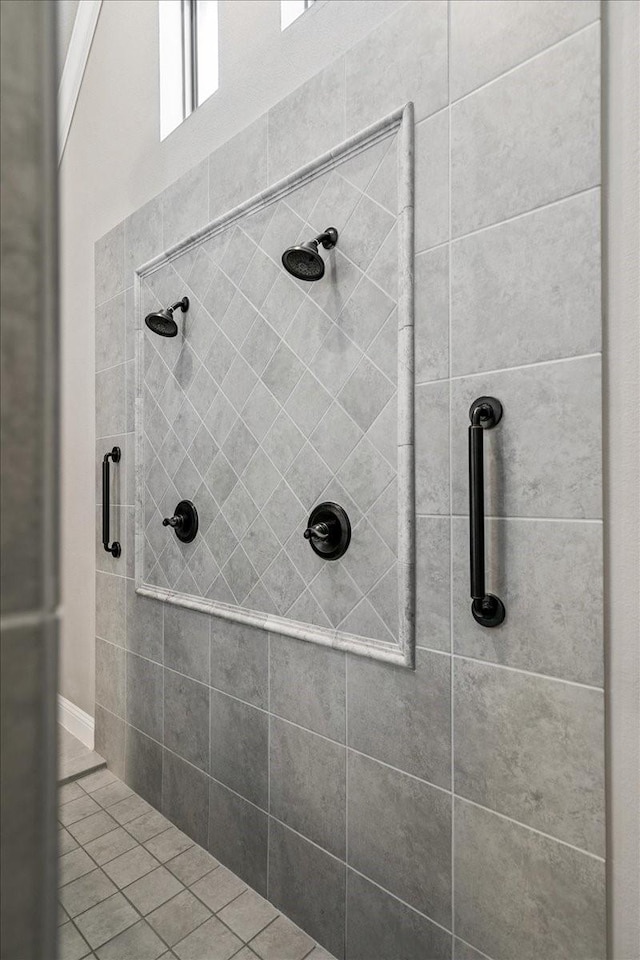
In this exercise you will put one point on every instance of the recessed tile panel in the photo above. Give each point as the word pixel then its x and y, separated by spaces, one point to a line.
pixel 272 393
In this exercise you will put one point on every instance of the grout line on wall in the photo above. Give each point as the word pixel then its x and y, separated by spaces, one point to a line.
pixel 522 63
pixel 268 756
pixel 451 579
pixel 346 796
pixel 399 899
pixel 454 796
pixel 526 826
pixel 548 204
pixel 444 653
pixel 510 519
pixel 520 366
pixel 485 956
pixel 506 666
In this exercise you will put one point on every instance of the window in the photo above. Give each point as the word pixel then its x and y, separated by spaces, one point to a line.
pixel 188 58
pixel 290 10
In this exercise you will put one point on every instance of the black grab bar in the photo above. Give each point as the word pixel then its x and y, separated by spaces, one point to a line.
pixel 485 413
pixel 114 548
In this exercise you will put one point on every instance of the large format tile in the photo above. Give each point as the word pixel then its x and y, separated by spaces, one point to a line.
pixel 143 765
pixel 519 894
pixel 405 58
pixel 238 835
pixel 432 315
pixel 408 722
pixel 544 457
pixel 240 747
pixel 110 608
pixel 142 237
pixel 539 569
pixel 317 108
pixel 145 684
pixel 186 642
pixel 463 951
pixel 185 205
pixel 399 831
pixel 185 797
pixel 110 332
pixel 308 784
pixel 383 927
pixel 186 718
pixel 533 749
pixel 110 739
pixel 531 137
pixel 110 385
pixel 308 885
pixel 144 625
pixel 109 264
pixel 433 583
pixel 531 286
pixel 308 685
pixel 110 676
pixel 485 43
pixel 431 163
pixel 238 169
pixel 432 448
pixel 240 661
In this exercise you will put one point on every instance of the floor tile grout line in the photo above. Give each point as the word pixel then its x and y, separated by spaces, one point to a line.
pixel 350 867
pixel 187 887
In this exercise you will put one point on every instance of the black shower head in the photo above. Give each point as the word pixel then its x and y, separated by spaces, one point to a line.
pixel 304 262
pixel 162 321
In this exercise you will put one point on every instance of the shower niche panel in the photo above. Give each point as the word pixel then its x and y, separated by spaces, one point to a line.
pixel 278 395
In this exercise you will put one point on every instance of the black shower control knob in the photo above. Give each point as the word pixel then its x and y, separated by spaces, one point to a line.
pixel 319 531
pixel 184 521
pixel 328 531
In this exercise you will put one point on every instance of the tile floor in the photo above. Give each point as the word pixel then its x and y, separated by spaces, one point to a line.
pixel 74 759
pixel 133 887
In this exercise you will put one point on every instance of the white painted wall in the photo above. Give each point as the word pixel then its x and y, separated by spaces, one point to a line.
pixel 112 164
pixel 65 17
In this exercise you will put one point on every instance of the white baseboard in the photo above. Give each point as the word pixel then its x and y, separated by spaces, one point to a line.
pixel 76 721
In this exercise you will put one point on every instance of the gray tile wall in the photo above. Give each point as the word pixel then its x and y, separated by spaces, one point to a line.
pixel 456 811
pixel 28 491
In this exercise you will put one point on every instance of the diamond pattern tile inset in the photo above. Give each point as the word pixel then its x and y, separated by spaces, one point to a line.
pixel 276 395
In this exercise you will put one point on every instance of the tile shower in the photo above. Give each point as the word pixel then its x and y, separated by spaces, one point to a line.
pixel 451 810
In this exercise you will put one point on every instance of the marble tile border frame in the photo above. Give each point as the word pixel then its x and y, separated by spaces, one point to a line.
pixel 402 653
